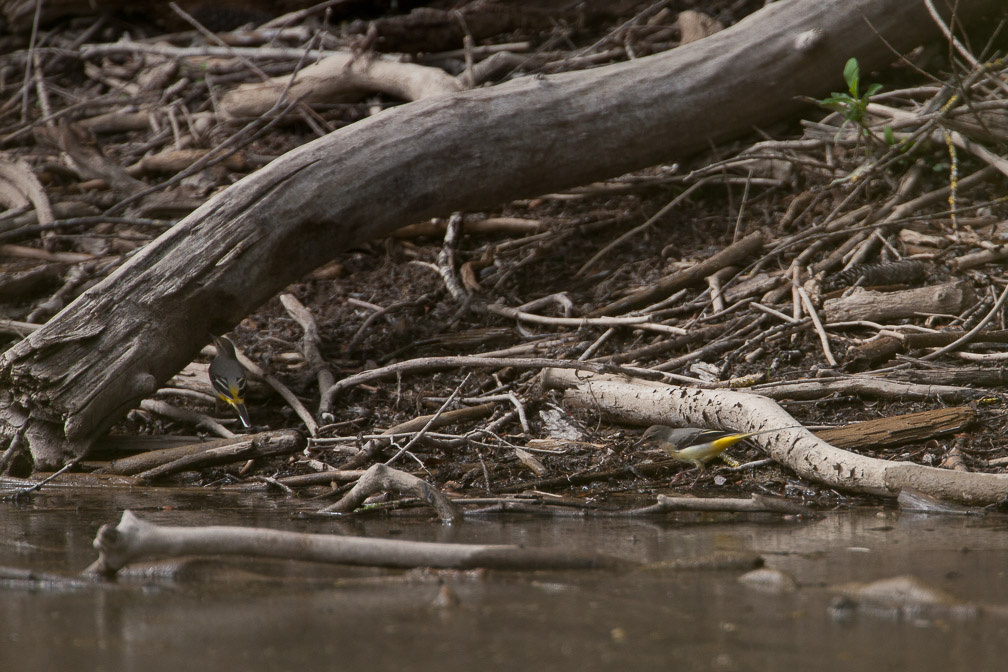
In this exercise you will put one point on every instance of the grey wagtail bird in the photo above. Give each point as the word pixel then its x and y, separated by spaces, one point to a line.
pixel 227 377
pixel 694 445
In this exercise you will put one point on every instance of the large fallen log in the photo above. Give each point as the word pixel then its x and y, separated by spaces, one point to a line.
pixel 809 456
pixel 68 382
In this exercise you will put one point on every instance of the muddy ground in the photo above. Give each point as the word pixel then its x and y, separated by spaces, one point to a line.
pixel 822 195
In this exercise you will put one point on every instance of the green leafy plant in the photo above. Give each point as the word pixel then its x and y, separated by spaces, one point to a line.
pixel 852 104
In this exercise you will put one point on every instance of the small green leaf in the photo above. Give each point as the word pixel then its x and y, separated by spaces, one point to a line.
pixel 872 90
pixel 889 136
pixel 851 75
pixel 837 99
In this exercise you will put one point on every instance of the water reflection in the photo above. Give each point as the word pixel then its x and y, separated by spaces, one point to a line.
pixel 223 615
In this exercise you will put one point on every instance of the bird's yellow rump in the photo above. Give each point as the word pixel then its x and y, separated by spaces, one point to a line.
pixel 695 445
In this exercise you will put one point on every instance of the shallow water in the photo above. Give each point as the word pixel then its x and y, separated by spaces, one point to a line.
pixel 219 617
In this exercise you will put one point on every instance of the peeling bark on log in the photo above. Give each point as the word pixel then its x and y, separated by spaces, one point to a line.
pixel 65 384
pixel 900 429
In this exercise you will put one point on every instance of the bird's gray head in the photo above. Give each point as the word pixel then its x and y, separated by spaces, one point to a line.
pixel 224 347
pixel 653 433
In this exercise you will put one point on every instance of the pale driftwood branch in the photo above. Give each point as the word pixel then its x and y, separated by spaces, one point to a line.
pixel 754 504
pixel 810 457
pixel 20 187
pixel 442 363
pixel 506 225
pixel 810 309
pixel 868 435
pixel 382 478
pixel 664 504
pixel 310 346
pixel 285 392
pixel 76 376
pixel 632 321
pixel 134 539
pixel 322 478
pixel 339 75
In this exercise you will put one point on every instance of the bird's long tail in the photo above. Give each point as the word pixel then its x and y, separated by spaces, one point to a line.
pixel 726 442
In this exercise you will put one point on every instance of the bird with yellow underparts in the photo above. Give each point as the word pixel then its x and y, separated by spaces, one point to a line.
pixel 227 377
pixel 695 445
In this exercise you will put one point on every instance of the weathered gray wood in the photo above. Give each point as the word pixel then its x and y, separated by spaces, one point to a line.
pixel 887 307
pixel 66 383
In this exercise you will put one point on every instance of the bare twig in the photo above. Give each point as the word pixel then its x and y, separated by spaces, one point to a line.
pixel 374 446
pixel 968 336
pixel 430 423
pixel 310 344
pixel 48 479
pixel 444 363
pixel 667 208
pixel 823 338
pixel 642 322
pixel 285 393
pixel 186 415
